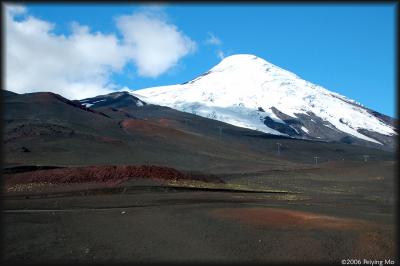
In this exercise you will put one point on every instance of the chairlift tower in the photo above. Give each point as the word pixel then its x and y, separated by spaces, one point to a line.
pixel 279 148
pixel 315 160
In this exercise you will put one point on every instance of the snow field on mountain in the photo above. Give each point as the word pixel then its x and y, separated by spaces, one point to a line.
pixel 235 89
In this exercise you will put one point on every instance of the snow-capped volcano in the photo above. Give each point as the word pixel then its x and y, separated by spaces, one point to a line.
pixel 247 91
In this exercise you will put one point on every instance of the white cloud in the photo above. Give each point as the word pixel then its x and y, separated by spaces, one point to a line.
pixel 156 46
pixel 81 64
pixel 212 39
pixel 15 9
pixel 220 54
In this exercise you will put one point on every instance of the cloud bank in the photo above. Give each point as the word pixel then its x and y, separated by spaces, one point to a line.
pixel 155 45
pixel 81 64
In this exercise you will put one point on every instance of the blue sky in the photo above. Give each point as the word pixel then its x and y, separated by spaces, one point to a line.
pixel 349 49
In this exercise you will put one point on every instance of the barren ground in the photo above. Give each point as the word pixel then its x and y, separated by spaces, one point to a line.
pixel 325 215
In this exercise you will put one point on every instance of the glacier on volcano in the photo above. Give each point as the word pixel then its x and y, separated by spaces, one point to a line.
pixel 244 89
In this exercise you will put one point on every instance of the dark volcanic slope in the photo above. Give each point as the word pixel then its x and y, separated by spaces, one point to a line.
pixel 47 129
pixel 115 99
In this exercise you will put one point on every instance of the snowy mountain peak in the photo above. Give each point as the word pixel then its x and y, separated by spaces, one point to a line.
pixel 247 91
pixel 247 63
pixel 240 60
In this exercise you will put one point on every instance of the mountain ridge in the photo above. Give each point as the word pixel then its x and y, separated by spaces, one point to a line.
pixel 247 91
pixel 45 129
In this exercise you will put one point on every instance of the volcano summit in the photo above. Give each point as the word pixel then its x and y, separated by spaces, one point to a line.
pixel 247 91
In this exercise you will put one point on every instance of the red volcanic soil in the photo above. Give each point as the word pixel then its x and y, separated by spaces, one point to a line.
pixel 150 128
pixel 282 218
pixel 167 122
pixel 104 174
pixel 368 239
pixel 139 125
